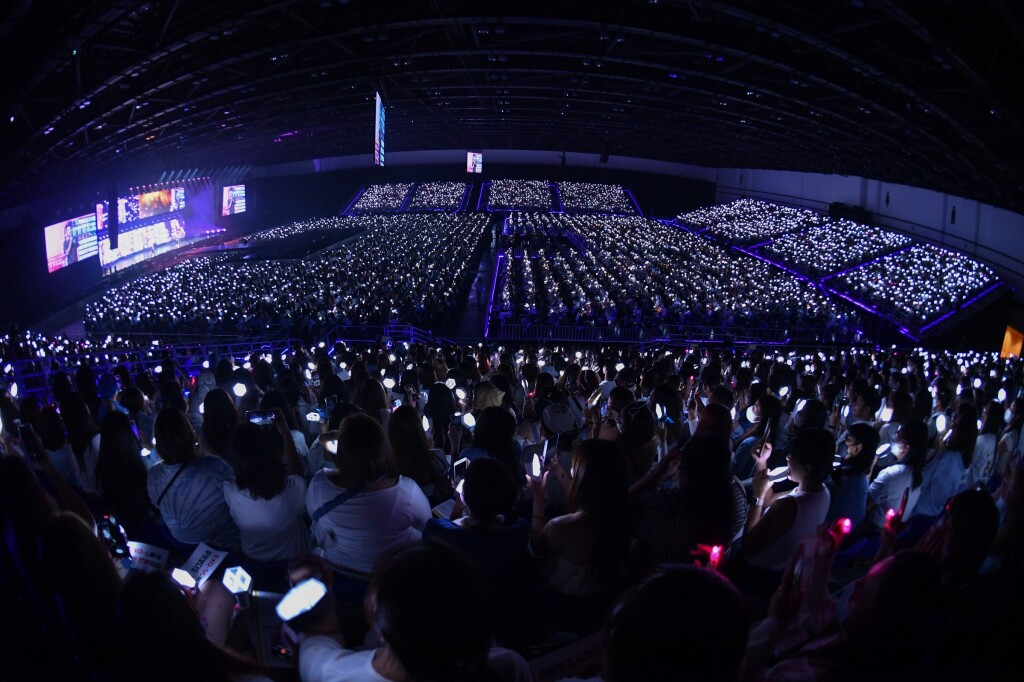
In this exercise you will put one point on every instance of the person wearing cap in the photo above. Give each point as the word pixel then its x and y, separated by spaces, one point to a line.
pixel 108 390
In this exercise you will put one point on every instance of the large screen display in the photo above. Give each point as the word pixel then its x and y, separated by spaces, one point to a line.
pixel 378 131
pixel 141 240
pixel 70 241
pixel 233 200
pixel 149 204
pixel 474 162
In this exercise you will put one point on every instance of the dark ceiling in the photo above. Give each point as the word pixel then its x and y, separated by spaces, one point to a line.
pixel 926 93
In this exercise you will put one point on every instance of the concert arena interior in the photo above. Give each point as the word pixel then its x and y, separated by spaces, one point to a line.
pixel 426 341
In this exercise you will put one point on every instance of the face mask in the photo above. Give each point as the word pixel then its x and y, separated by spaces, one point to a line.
pixel 897 450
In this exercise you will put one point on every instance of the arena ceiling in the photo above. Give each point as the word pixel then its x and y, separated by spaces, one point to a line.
pixel 924 92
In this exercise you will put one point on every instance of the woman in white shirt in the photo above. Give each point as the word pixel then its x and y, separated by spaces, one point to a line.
pixel 268 497
pixel 363 508
pixel 911 453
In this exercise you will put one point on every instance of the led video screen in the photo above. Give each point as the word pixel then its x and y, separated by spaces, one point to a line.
pixel 378 131
pixel 70 241
pixel 474 162
pixel 233 200
pixel 149 204
pixel 141 240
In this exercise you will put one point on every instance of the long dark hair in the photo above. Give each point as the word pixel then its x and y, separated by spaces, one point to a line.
pixel 600 489
pixel 363 450
pixel 915 436
pixel 120 473
pixel 414 586
pixel 219 418
pixel 707 489
pixel 964 433
pixel 409 444
pixel 771 411
pixel 78 421
pixel 495 432
pixel 255 453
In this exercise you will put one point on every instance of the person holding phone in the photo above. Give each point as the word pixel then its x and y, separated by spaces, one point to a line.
pixel 773 534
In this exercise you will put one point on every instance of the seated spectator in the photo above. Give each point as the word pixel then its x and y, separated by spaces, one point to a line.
pixel 220 416
pixel 494 538
pixel 849 483
pixel 887 489
pixel 364 508
pixel 54 438
pixel 414 458
pixel 770 539
pixel 121 474
pixel 186 486
pixel 946 472
pixel 267 497
pixel 900 594
pixel 588 545
pixel 768 411
pixel 174 634
pixel 408 592
pixel 84 438
pixel 703 506
pixel 984 459
pixel 638 439
pixel 650 638
pixel 494 436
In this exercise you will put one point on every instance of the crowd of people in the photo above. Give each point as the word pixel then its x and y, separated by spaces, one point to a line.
pixel 591 197
pixel 409 267
pixel 918 285
pixel 836 245
pixel 383 198
pixel 336 223
pixel 519 195
pixel 444 513
pixel 749 221
pixel 438 196
pixel 636 272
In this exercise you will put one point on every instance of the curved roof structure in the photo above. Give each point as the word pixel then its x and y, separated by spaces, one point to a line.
pixel 922 93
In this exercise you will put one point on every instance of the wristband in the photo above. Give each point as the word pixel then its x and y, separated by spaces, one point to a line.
pixel 758 501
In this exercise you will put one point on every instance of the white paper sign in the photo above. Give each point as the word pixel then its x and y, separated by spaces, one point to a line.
pixel 147 558
pixel 203 562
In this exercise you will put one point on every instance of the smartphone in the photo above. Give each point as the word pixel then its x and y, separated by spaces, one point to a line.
pixel 459 468
pixel 261 417
pixel 110 532
pixel 767 438
pixel 316 379
pixel 135 430
pixel 301 599
pixel 27 436
pixel 604 410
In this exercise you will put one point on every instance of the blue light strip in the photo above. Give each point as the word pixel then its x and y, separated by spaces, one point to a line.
pixel 629 193
pixel 348 209
pixel 490 303
pixel 480 198
pixel 796 274
pixel 869 262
